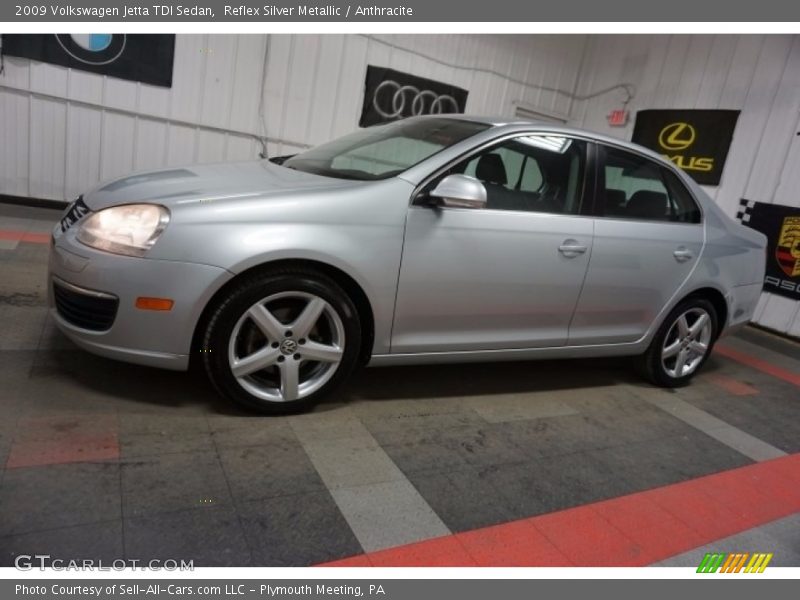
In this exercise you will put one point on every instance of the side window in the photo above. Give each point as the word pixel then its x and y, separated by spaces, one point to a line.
pixel 683 207
pixel 531 177
pixel 529 173
pixel 638 188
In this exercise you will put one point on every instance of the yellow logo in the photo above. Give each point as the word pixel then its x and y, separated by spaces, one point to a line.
pixel 680 136
pixel 787 250
pixel 677 136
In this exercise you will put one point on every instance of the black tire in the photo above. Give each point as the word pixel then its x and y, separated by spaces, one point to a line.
pixel 650 364
pixel 230 309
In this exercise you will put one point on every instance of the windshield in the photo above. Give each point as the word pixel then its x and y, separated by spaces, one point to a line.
pixel 384 151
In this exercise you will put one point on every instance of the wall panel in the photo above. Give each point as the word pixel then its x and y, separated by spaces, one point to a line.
pixel 84 127
pixel 47 163
pixel 14 151
pixel 219 80
pixel 181 145
pixel 117 143
pixel 151 145
pixel 246 90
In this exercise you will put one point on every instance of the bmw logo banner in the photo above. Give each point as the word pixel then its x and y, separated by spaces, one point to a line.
pixel 137 57
pixel 390 95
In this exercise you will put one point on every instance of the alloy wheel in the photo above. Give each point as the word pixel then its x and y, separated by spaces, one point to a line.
pixel 286 346
pixel 687 342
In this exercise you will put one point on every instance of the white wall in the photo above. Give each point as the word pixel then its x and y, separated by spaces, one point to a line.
pixel 64 130
pixel 759 75
pixel 72 129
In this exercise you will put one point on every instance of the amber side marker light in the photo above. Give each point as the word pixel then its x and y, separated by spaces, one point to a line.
pixel 144 303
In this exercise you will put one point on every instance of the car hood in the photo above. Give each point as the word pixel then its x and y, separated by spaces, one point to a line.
pixel 202 183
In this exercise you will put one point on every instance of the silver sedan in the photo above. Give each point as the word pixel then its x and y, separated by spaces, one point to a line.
pixel 433 239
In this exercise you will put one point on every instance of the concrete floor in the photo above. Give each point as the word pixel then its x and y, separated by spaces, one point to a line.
pixel 109 460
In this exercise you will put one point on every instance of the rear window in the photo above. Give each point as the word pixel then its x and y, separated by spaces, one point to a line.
pixel 639 188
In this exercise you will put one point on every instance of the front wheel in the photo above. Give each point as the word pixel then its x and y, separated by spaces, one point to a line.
pixel 280 342
pixel 681 345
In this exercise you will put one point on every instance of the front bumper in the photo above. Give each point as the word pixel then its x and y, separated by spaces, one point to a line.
pixel 154 338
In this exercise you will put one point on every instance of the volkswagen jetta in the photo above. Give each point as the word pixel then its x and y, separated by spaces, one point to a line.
pixel 425 240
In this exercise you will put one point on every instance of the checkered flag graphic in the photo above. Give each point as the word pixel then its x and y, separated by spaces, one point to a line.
pixel 745 206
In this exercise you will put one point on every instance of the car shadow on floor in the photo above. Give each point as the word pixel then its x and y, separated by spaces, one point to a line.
pixel 479 379
pixel 67 370
pixel 466 380
pixel 66 367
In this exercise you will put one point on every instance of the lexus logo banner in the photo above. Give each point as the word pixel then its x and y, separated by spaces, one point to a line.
pixel 697 141
pixel 781 225
pixel 137 57
pixel 390 95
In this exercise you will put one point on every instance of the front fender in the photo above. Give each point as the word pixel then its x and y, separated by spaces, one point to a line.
pixel 369 254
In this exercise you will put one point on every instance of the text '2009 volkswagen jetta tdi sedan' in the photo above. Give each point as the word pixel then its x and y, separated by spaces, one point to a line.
pixel 426 240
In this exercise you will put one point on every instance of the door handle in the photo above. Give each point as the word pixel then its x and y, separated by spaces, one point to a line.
pixel 683 254
pixel 571 248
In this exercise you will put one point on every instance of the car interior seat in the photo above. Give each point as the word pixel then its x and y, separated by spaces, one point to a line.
pixel 646 204
pixel 491 170
pixel 615 202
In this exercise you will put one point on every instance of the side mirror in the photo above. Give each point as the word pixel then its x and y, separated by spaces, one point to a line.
pixel 459 191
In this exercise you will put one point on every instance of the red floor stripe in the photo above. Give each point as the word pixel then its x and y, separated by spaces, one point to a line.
pixel 14 236
pixel 64 439
pixel 757 363
pixel 25 236
pixel 733 386
pixel 36 238
pixel 634 530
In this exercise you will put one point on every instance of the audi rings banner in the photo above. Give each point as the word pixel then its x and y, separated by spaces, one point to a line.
pixel 390 95
pixel 138 57
pixel 697 141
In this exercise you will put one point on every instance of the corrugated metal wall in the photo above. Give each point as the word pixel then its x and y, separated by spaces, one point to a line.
pixel 757 74
pixel 65 130
pixel 62 131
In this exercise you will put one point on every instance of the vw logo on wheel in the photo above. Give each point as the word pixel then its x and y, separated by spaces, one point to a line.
pixel 392 100
pixel 93 48
pixel 288 347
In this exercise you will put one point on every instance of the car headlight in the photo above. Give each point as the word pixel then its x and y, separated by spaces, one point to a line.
pixel 131 229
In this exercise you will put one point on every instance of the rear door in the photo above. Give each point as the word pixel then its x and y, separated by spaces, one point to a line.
pixel 647 239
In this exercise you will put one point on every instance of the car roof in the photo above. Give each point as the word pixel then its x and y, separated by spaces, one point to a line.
pixel 494 121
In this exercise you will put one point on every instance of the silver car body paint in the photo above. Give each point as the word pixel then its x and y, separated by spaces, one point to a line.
pixel 444 285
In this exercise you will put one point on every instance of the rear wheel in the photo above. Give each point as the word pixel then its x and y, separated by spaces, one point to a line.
pixel 681 345
pixel 280 342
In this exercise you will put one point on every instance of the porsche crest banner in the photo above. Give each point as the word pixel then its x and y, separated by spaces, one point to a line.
pixel 390 95
pixel 138 57
pixel 697 141
pixel 781 225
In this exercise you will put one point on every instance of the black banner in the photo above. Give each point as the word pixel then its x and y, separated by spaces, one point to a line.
pixel 697 141
pixel 781 225
pixel 138 57
pixel 390 95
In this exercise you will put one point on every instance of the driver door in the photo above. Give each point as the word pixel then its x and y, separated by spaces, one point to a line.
pixel 505 276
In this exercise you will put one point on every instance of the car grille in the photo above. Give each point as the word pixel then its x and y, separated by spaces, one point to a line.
pixel 86 309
